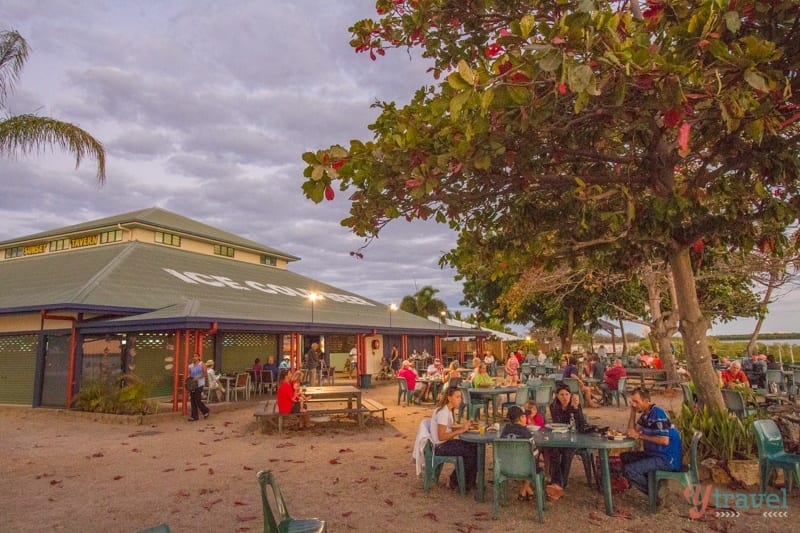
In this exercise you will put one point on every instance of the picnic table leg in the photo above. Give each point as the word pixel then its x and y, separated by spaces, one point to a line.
pixel 480 478
pixel 606 473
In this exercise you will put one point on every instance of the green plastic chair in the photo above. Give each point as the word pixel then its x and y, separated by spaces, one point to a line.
pixel 160 528
pixel 283 523
pixel 402 389
pixel 543 395
pixel 520 398
pixel 776 376
pixel 771 454
pixel 434 464
pixel 471 406
pixel 621 391
pixel 514 459
pixel 734 401
pixel 688 396
pixel 686 477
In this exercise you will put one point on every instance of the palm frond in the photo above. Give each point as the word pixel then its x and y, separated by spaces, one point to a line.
pixel 13 53
pixel 23 134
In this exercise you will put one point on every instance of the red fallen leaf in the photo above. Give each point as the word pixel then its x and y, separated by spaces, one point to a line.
pixel 247 467
pixel 329 194
pixel 345 450
pixel 271 461
pixel 401 474
pixel 335 461
pixel 623 514
pixel 98 454
pixel 335 481
pixel 347 513
pixel 594 516
pixel 246 518
pixel 361 480
pixel 203 491
pixel 184 493
pixel 135 450
pixel 210 471
pixel 284 444
pixel 388 502
pixel 55 481
pixel 432 516
pixel 209 505
pixel 189 469
pixel 117 477
pixel 373 467
pixel 168 470
pixel 378 457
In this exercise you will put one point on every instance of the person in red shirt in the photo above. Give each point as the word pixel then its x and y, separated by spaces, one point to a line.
pixel 733 375
pixel 410 376
pixel 288 398
pixel 612 377
pixel 656 362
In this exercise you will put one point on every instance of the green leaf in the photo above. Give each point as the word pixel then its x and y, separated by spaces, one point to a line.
pixel 483 162
pixel 486 99
pixel 732 21
pixel 457 102
pixel 526 24
pixel 466 72
pixel 579 78
pixel 756 80
pixel 315 190
pixel 518 94
pixel 310 158
pixel 755 129
pixel 551 61
pixel 457 82
pixel 337 152
pixel 318 172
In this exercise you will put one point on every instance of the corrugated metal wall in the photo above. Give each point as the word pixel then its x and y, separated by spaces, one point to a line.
pixel 17 368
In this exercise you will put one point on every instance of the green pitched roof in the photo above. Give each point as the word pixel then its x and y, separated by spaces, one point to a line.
pixel 146 286
pixel 158 218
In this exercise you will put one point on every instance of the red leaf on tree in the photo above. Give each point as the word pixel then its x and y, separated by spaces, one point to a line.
pixel 562 88
pixel 558 40
pixel 698 246
pixel 519 77
pixel 493 50
pixel 672 117
pixel 413 183
pixel 339 163
pixel 329 193
pixel 504 67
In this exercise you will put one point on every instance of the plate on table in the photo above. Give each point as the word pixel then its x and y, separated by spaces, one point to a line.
pixel 534 428
pixel 558 428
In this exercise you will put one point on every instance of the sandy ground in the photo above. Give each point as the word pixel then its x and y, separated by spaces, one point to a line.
pixel 64 471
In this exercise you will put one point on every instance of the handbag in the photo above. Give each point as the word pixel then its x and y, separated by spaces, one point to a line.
pixel 190 384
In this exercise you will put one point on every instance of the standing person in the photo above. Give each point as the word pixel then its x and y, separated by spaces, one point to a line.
pixel 444 433
pixel 661 441
pixel 541 358
pixel 491 364
pixel 394 360
pixel 565 407
pixel 601 352
pixel 311 362
pixel 512 368
pixel 199 373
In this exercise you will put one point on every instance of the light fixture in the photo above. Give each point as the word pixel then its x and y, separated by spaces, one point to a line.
pixel 392 308
pixel 313 296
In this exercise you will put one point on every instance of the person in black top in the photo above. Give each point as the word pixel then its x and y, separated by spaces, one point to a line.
pixel 516 429
pixel 565 406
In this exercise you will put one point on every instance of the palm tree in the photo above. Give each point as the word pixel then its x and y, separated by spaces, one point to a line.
pixel 23 134
pixel 423 303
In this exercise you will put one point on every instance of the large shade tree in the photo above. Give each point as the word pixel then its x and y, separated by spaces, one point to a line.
pixel 23 134
pixel 587 128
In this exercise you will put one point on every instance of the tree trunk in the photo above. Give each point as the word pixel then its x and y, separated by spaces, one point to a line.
pixel 662 326
pixel 624 337
pixel 752 346
pixel 566 332
pixel 693 327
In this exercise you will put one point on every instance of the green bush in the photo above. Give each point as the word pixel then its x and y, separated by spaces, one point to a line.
pixel 126 396
pixel 725 436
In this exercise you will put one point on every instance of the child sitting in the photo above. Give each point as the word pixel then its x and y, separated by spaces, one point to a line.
pixel 532 415
pixel 516 428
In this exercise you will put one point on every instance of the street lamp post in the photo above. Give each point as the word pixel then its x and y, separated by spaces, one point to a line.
pixel 313 296
pixel 392 308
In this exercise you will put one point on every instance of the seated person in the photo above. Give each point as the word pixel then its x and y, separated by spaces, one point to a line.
pixel 213 381
pixel 482 378
pixel 272 368
pixel 532 415
pixel 661 441
pixel 612 376
pixel 516 429
pixel 286 363
pixel 565 406
pixel 571 369
pixel 733 375
pixel 257 365
pixel 410 375
pixel 444 433
pixel 290 397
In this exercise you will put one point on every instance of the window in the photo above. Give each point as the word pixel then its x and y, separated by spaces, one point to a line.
pixel 269 260
pixel 113 236
pixel 227 251
pixel 14 252
pixel 61 244
pixel 168 238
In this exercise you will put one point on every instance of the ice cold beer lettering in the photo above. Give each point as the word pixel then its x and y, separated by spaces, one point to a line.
pixel 213 280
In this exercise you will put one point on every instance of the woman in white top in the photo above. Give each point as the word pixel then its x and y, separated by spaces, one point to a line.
pixel 444 432
pixel 213 381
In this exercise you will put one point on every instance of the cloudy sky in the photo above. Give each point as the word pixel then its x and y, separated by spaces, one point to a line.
pixel 205 108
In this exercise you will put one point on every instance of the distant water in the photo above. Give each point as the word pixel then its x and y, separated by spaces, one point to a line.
pixel 771 342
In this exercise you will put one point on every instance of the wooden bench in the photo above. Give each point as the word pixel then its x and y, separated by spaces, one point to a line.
pixel 267 413
pixel 372 407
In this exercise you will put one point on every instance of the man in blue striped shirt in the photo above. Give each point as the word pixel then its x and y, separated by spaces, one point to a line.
pixel 661 441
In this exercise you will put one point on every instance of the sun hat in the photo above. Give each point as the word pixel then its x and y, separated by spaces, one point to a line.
pixel 210 362
pixel 286 357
